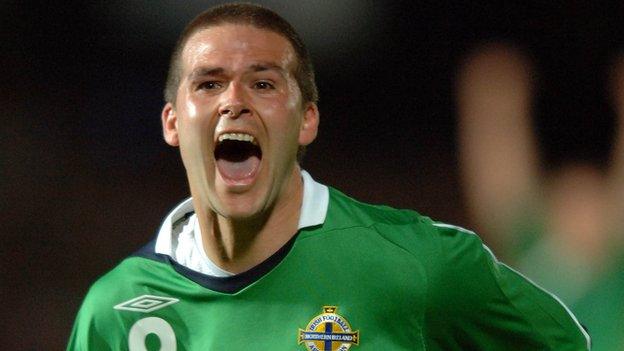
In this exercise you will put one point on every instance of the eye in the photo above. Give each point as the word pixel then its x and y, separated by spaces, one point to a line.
pixel 262 85
pixel 209 85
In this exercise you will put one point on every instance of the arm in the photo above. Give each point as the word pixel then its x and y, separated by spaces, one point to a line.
pixel 478 303
pixel 496 145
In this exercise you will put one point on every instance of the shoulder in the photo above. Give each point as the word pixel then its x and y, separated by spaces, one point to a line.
pixel 107 290
pixel 401 224
pixel 97 325
pixel 430 241
pixel 132 277
pixel 354 212
pixel 101 323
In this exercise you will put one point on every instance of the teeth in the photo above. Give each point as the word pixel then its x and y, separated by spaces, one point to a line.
pixel 237 136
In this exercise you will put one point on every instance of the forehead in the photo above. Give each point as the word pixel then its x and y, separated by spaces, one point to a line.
pixel 233 45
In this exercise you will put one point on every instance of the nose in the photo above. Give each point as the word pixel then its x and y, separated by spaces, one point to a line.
pixel 233 104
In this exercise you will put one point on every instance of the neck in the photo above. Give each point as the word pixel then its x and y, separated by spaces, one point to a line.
pixel 236 245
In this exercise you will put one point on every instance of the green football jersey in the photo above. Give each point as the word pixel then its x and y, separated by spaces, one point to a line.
pixel 366 278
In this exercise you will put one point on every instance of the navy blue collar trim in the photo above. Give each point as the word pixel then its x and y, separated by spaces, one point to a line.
pixel 229 285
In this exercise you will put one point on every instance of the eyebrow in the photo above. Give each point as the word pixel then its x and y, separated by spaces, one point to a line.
pixel 267 66
pixel 256 67
pixel 205 71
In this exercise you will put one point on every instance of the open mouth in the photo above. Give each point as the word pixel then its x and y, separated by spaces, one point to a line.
pixel 238 156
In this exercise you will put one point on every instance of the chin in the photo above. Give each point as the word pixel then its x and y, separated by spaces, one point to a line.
pixel 239 210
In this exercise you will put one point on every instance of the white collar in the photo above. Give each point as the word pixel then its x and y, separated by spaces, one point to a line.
pixel 313 212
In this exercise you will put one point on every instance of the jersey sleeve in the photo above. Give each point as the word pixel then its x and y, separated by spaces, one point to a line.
pixel 479 303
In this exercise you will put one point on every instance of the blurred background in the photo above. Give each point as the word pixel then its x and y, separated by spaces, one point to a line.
pixel 503 119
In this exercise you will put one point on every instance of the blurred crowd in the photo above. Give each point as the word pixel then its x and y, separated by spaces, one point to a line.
pixel 560 226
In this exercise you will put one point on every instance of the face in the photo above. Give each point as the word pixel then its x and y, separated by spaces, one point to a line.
pixel 239 119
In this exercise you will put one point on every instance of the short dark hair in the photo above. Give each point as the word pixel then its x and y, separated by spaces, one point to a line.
pixel 248 14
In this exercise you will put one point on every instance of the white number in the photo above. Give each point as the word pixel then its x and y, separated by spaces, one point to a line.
pixel 151 325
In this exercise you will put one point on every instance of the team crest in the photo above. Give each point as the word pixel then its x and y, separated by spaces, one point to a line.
pixel 328 331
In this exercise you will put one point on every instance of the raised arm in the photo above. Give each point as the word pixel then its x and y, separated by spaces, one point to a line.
pixel 496 144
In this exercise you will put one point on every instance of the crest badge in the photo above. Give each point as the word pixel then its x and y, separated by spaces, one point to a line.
pixel 328 331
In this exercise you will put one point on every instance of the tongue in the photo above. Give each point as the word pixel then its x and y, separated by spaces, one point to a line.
pixel 238 170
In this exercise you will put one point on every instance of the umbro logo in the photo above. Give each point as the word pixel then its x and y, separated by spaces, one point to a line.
pixel 146 303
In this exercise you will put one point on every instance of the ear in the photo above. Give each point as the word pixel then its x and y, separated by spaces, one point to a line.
pixel 170 125
pixel 309 125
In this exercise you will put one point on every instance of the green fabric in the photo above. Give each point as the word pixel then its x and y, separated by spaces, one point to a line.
pixel 593 291
pixel 601 310
pixel 401 281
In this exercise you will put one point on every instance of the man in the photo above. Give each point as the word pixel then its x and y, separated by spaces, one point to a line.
pixel 264 258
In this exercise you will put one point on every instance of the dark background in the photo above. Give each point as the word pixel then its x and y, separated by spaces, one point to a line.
pixel 85 177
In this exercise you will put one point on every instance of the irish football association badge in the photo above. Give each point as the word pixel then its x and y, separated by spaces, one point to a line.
pixel 328 331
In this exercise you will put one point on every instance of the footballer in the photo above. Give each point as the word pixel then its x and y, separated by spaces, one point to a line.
pixel 263 257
